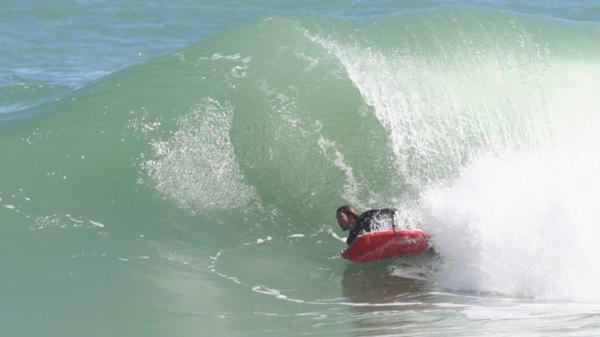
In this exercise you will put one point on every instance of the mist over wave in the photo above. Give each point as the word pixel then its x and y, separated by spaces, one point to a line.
pixel 519 219
pixel 521 224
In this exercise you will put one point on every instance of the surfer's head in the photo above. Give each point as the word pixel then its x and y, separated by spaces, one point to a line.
pixel 346 217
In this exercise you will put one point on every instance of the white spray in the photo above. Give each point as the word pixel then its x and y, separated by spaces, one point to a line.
pixel 518 220
pixel 523 225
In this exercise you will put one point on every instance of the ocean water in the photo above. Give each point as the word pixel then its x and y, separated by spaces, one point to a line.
pixel 173 168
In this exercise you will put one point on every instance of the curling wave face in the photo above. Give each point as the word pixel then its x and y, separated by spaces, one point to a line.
pixel 197 178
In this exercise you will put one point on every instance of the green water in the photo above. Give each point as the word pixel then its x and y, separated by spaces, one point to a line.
pixel 193 194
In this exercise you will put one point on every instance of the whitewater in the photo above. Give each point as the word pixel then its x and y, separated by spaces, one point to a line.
pixel 173 169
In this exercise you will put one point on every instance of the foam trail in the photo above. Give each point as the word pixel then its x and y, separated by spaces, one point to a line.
pixel 197 166
pixel 351 187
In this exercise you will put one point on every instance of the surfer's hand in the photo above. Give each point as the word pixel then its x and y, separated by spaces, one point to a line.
pixel 342 251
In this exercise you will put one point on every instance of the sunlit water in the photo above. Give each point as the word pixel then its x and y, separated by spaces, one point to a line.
pixel 172 169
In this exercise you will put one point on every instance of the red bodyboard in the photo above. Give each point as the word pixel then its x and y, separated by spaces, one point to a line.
pixel 385 244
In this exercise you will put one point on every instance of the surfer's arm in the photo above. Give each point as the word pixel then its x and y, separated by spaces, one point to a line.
pixel 352 236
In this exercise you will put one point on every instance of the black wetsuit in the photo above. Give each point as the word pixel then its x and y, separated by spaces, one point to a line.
pixel 368 218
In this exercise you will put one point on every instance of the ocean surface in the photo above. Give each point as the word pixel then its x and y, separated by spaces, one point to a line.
pixel 172 168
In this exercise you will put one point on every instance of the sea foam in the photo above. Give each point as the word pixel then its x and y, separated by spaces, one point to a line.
pixel 522 224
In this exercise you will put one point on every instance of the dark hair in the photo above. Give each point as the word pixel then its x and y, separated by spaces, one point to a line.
pixel 346 209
